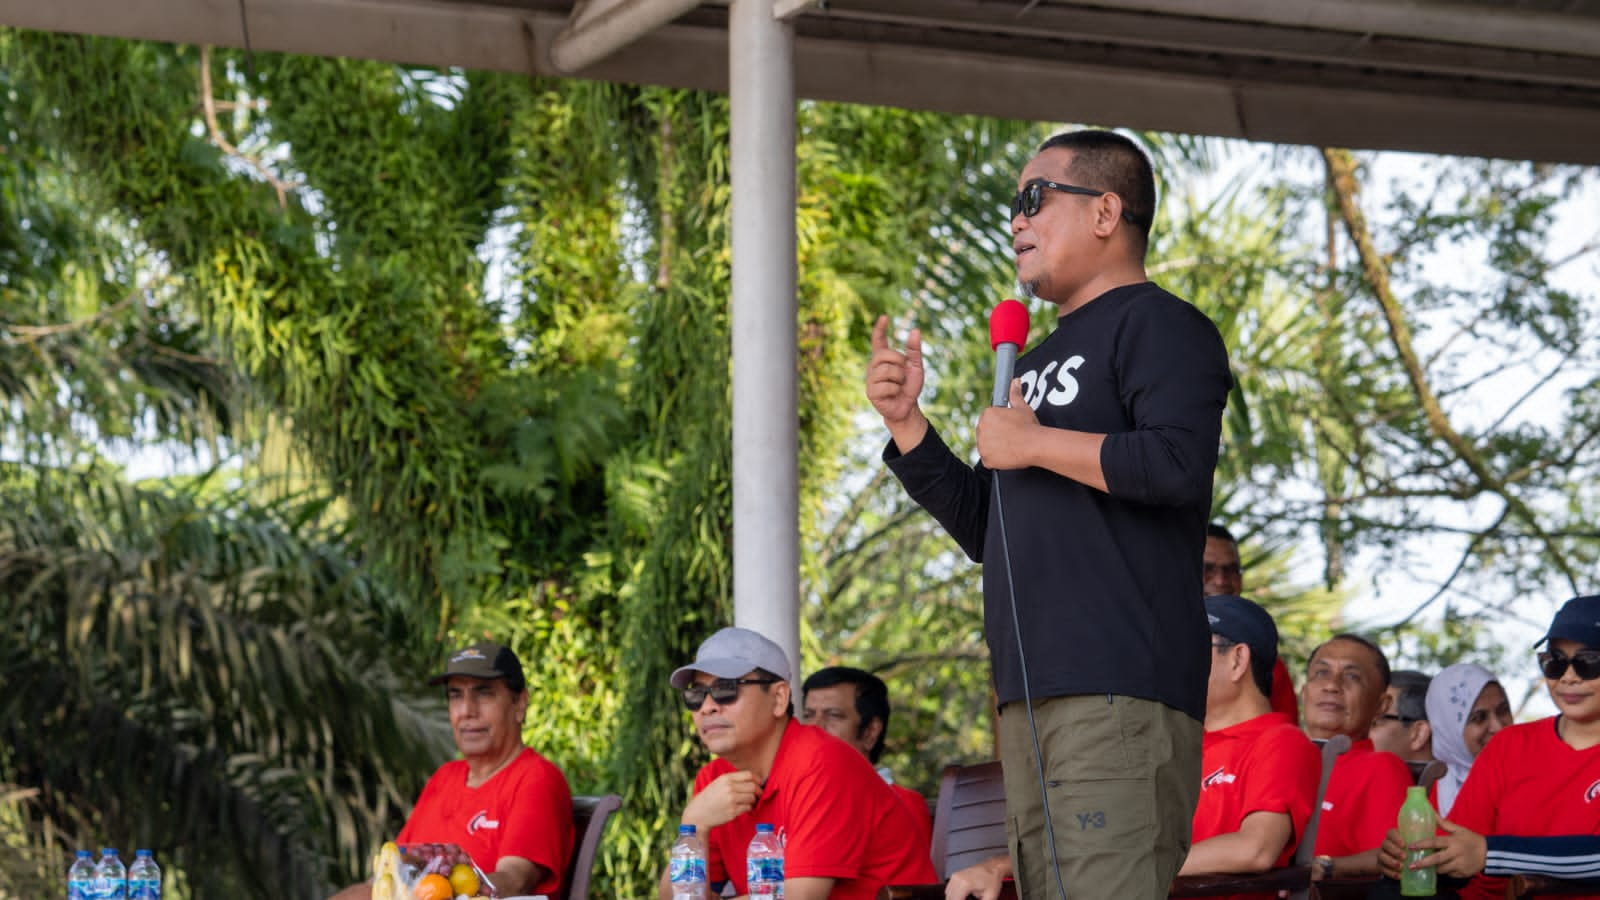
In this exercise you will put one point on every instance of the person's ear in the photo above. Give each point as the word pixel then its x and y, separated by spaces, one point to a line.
pixel 1107 214
pixel 1421 736
pixel 871 731
pixel 1239 663
pixel 1385 702
pixel 780 698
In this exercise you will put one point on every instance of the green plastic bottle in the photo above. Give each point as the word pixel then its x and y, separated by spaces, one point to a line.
pixel 1417 824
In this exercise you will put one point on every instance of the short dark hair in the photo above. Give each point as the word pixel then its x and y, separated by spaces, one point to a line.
pixel 1213 530
pixel 872 697
pixel 1412 704
pixel 1260 666
pixel 1377 653
pixel 1108 161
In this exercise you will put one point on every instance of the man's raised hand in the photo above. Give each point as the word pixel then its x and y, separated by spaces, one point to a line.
pixel 894 381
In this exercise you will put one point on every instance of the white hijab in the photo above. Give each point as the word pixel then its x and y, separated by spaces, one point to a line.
pixel 1450 698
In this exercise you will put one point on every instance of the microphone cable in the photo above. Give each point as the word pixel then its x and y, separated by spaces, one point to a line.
pixel 1027 691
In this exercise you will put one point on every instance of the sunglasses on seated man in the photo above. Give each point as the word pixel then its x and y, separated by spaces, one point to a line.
pixel 1031 197
pixel 723 690
pixel 1585 663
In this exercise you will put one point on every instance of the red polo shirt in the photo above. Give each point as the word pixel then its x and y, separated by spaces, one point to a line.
pixel 1530 783
pixel 524 810
pixel 835 815
pixel 1285 699
pixel 1265 764
pixel 918 807
pixel 1363 800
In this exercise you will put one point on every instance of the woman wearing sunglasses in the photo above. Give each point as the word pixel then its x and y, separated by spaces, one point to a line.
pixel 1535 780
pixel 1466 706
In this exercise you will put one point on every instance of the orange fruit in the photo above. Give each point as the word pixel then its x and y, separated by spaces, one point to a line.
pixel 433 887
pixel 463 880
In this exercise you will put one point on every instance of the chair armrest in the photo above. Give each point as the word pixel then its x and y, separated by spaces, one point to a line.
pixel 1540 885
pixel 1346 888
pixel 1008 891
pixel 1288 878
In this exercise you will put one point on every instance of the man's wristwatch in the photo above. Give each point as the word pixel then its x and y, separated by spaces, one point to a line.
pixel 1325 863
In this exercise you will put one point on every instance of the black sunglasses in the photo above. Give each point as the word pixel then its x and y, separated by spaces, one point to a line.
pixel 723 690
pixel 1586 663
pixel 1391 717
pixel 1028 199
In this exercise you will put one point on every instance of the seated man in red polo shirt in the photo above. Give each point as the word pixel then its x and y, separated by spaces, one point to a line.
pixel 1346 689
pixel 1258 772
pixel 503 803
pixel 853 706
pixel 845 833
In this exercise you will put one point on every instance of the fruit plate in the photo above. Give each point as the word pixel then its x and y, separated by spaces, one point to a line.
pixel 427 872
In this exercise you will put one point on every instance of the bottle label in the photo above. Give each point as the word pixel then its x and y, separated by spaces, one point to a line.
pixel 80 889
pixel 688 871
pixel 144 889
pixel 765 875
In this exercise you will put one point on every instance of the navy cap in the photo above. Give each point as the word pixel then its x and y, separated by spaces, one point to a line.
pixel 1577 620
pixel 1244 622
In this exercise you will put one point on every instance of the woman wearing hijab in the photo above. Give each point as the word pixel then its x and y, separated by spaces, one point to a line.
pixel 1466 706
pixel 1535 780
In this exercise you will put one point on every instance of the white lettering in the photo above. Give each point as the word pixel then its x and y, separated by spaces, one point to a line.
pixel 1066 386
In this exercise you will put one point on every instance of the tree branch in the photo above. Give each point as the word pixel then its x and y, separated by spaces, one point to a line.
pixel 1342 181
pixel 208 103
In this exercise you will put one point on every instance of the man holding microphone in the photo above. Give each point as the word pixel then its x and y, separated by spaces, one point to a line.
pixel 1089 513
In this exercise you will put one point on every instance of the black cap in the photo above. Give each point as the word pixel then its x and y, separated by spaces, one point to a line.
pixel 1577 620
pixel 486 660
pixel 1244 622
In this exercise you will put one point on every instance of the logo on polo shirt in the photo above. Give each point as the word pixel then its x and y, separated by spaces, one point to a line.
pixel 1592 792
pixel 481 821
pixel 1220 776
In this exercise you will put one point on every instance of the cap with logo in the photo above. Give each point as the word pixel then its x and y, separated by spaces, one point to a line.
pixel 733 653
pixel 1577 620
pixel 486 660
pixel 1244 622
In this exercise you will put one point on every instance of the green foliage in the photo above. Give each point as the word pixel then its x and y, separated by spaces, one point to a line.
pixel 136 622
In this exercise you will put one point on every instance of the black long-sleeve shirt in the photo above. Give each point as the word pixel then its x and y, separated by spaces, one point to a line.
pixel 1107 585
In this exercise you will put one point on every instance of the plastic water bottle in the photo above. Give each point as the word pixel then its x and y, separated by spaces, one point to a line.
pixel 144 877
pixel 764 864
pixel 1416 824
pixel 80 878
pixel 110 877
pixel 688 867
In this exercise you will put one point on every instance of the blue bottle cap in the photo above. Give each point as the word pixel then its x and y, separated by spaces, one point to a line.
pixel 763 828
pixel 108 851
pixel 138 853
pixel 84 854
pixel 686 829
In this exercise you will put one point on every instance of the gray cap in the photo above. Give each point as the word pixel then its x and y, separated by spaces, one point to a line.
pixel 733 653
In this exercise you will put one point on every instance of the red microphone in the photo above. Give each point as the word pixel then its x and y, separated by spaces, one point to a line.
pixel 1008 331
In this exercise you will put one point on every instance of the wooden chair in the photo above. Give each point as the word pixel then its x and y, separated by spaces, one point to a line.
pixel 969 826
pixel 589 818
